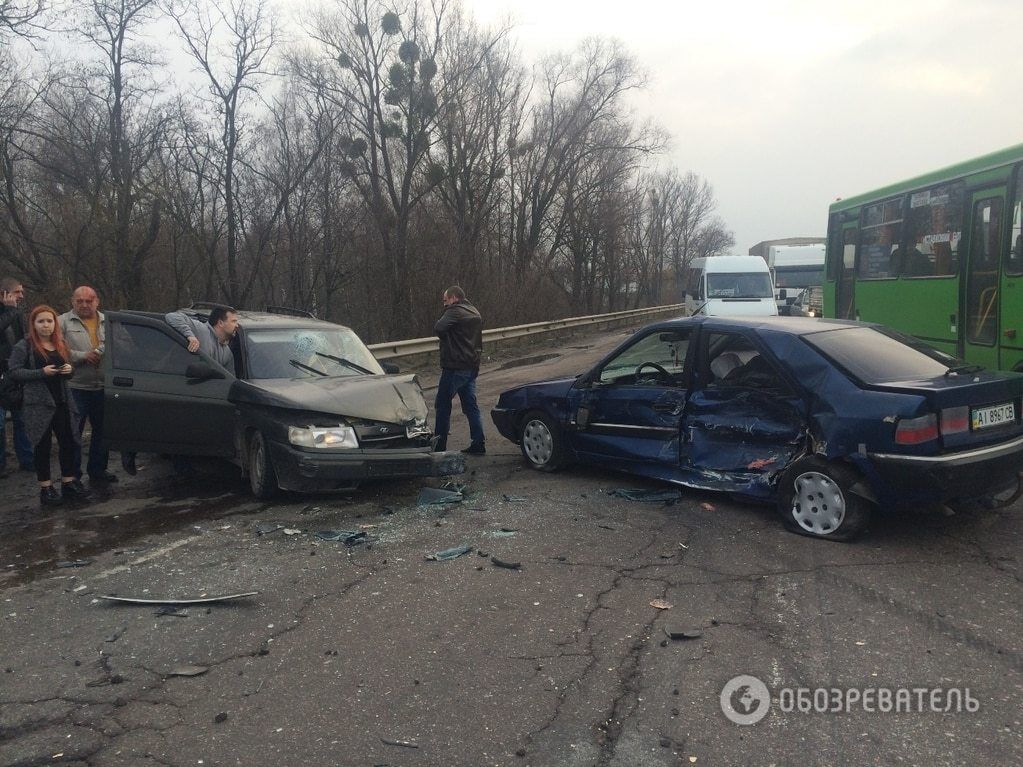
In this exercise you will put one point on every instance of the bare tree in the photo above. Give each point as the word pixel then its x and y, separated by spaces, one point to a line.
pixel 231 44
pixel 487 87
pixel 19 17
pixel 581 101
pixel 132 140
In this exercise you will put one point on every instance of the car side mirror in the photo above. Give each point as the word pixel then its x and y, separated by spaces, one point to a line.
pixel 783 293
pixel 200 371
pixel 390 368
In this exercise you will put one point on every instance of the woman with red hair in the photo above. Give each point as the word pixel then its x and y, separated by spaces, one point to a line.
pixel 41 361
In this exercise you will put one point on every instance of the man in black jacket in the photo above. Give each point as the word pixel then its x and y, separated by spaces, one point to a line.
pixel 12 330
pixel 460 329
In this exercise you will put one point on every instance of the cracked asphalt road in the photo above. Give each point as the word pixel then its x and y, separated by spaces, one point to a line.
pixel 372 655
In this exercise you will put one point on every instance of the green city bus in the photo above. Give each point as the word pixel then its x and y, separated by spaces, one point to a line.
pixel 938 257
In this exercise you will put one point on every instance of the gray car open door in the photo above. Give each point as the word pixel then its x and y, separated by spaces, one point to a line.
pixel 159 397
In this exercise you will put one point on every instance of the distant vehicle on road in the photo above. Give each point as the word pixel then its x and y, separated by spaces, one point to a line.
pixel 793 269
pixel 729 286
pixel 939 256
pixel 809 303
pixel 307 407
pixel 829 419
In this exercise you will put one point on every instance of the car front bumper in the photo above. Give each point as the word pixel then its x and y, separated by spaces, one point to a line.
pixel 962 476
pixel 306 471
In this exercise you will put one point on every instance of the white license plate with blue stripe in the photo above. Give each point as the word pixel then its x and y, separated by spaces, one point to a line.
pixel 996 415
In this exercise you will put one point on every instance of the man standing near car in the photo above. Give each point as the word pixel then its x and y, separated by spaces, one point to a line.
pixel 12 330
pixel 84 330
pixel 460 329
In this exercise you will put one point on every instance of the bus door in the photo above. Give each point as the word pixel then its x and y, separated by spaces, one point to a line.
pixel 845 288
pixel 1011 346
pixel 982 297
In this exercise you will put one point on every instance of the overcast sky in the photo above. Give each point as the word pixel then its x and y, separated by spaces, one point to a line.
pixel 784 106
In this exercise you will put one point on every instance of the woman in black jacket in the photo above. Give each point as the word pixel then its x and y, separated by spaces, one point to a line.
pixel 41 362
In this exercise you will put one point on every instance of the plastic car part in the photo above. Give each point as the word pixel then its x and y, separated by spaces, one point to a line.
pixel 542 442
pixel 262 477
pixel 816 498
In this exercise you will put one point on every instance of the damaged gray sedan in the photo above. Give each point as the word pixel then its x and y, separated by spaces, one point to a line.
pixel 829 419
pixel 307 407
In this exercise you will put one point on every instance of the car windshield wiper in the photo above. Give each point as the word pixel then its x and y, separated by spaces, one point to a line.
pixel 957 369
pixel 302 366
pixel 346 363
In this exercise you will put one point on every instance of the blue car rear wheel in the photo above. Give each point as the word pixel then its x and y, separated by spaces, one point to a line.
pixel 815 498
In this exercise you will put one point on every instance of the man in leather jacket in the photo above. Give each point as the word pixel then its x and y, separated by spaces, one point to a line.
pixel 460 329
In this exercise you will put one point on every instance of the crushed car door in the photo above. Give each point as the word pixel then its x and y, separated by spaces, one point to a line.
pixel 151 404
pixel 743 422
pixel 626 412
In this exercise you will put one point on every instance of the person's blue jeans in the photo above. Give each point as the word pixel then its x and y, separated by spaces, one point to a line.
pixel 462 383
pixel 90 408
pixel 22 448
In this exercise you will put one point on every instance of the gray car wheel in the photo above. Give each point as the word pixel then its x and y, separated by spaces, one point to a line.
pixel 262 477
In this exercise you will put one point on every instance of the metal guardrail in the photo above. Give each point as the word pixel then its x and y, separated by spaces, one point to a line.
pixel 392 349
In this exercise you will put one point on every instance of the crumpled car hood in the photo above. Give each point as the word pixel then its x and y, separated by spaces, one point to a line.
pixel 387 398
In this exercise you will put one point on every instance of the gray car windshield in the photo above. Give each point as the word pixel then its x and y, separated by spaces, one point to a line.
pixel 875 357
pixel 739 285
pixel 307 353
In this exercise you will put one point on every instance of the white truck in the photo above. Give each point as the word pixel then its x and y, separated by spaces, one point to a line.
pixel 794 268
pixel 729 286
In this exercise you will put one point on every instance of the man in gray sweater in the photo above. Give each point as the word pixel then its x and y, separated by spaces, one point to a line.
pixel 212 336
pixel 84 330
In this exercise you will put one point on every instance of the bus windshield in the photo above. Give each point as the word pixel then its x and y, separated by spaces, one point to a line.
pixel 739 285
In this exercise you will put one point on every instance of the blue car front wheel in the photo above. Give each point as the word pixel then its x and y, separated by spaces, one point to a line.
pixel 815 498
pixel 541 441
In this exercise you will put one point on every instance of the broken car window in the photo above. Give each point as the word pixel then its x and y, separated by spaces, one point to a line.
pixel 307 353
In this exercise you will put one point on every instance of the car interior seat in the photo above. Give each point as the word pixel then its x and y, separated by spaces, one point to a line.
pixel 724 364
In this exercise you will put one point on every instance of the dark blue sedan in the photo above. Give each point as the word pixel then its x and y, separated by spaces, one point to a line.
pixel 826 417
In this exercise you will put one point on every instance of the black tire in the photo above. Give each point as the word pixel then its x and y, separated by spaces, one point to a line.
pixel 541 441
pixel 815 499
pixel 262 477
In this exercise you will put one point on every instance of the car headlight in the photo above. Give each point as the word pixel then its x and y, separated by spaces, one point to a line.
pixel 327 437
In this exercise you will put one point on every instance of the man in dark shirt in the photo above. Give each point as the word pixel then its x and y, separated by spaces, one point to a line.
pixel 12 330
pixel 460 329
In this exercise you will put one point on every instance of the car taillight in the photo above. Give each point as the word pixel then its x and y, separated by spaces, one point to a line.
pixel 913 431
pixel 955 420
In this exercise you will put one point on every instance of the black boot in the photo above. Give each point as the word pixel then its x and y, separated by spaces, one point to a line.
pixel 440 444
pixel 74 490
pixel 476 448
pixel 48 496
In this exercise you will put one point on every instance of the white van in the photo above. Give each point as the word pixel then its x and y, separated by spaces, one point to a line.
pixel 730 286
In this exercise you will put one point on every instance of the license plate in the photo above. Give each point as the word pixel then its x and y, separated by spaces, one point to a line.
pixel 997 415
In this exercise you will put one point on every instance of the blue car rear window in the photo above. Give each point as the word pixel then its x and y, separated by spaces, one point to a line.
pixel 876 357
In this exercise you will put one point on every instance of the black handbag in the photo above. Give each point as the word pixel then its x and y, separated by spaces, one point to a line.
pixel 12 393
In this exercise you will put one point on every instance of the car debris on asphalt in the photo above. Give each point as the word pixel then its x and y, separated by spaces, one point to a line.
pixel 434 496
pixel 177 601
pixel 453 553
pixel 667 497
